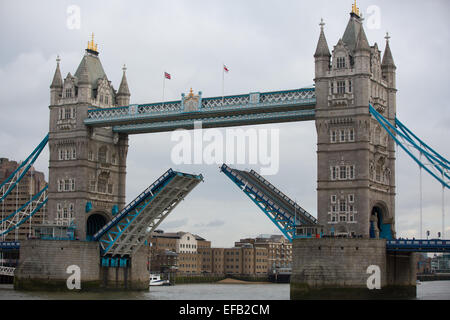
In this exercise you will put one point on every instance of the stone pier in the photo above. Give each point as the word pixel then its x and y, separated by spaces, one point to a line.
pixel 337 268
pixel 43 267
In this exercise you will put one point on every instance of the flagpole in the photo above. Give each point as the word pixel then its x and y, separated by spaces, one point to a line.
pixel 223 81
pixel 164 85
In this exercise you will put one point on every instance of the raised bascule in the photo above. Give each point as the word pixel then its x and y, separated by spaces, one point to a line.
pixel 353 104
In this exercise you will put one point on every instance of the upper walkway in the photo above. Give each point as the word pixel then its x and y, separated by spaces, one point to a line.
pixel 245 109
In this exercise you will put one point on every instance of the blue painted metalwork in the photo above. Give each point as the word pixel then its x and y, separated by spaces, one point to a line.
pixel 136 221
pixel 222 121
pixel 39 200
pixel 9 245
pixel 277 211
pixel 214 107
pixel 420 245
pixel 439 163
pixel 133 204
pixel 10 183
pixel 88 206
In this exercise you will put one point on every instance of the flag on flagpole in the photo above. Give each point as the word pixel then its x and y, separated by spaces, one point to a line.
pixel 225 68
pixel 167 75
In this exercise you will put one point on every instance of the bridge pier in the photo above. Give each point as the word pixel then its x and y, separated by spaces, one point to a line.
pixel 43 266
pixel 337 268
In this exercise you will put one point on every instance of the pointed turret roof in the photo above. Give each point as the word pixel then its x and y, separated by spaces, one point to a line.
pixel 82 72
pixel 351 32
pixel 123 88
pixel 322 45
pixel 361 42
pixel 57 79
pixel 388 60
pixel 90 70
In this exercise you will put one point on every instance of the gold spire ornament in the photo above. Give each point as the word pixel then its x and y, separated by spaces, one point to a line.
pixel 91 45
pixel 355 9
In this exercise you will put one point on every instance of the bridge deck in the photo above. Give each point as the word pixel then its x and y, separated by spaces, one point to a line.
pixel 128 231
pixel 418 245
pixel 248 109
pixel 279 208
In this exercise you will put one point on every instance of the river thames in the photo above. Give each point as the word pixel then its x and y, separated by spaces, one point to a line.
pixel 430 290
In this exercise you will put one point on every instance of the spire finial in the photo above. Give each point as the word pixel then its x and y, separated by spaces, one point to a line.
pixel 387 37
pixel 355 9
pixel 91 45
pixel 58 59
pixel 321 24
pixel 124 68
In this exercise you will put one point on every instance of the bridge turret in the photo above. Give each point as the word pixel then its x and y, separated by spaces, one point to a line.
pixel 322 66
pixel 322 55
pixel 56 86
pixel 87 166
pixel 356 160
pixel 388 66
pixel 123 95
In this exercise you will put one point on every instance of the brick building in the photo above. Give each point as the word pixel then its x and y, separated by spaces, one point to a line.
pixel 279 250
pixel 32 182
pixel 195 256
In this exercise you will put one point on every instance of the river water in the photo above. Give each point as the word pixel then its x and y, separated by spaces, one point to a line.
pixel 429 290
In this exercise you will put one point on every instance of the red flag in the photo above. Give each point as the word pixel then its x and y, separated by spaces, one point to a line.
pixel 167 76
pixel 225 68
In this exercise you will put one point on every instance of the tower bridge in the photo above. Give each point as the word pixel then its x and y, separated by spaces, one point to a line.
pixel 353 104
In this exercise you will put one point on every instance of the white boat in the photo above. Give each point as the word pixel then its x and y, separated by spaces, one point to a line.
pixel 155 280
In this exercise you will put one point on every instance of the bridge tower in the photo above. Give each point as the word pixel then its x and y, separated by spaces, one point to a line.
pixel 87 166
pixel 356 157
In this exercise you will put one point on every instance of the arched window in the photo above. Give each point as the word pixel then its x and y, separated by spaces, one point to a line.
pixel 102 154
pixel 102 183
pixel 377 139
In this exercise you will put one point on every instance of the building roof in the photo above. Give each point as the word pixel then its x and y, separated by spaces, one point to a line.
pixel 322 46
pixel 351 32
pixel 57 79
pixel 388 60
pixel 90 70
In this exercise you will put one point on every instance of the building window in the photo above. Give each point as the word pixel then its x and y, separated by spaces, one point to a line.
pixel 342 206
pixel 102 154
pixel 351 134
pixel 341 87
pixel 333 198
pixel 351 198
pixel 332 87
pixel 342 173
pixel 68 92
pixel 351 172
pixel 333 136
pixel 350 86
pixel 334 173
pixel 342 135
pixel 67 113
pixel 340 64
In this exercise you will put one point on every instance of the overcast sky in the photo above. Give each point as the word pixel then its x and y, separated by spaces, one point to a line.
pixel 267 45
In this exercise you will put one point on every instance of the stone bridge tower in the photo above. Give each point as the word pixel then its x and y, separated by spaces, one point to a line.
pixel 356 157
pixel 87 167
